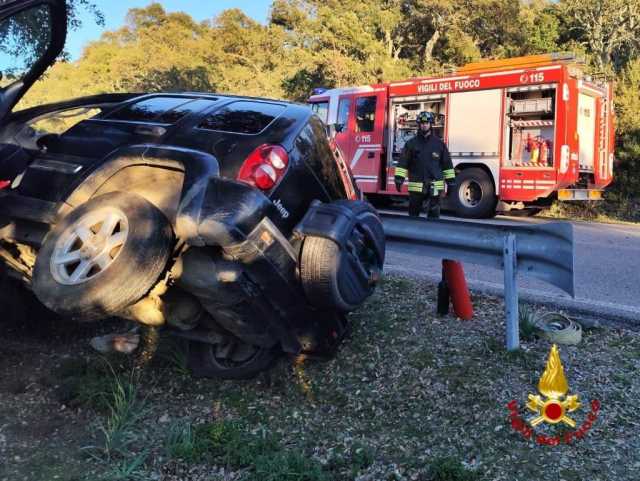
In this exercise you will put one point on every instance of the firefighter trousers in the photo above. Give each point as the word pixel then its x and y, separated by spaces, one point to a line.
pixel 416 201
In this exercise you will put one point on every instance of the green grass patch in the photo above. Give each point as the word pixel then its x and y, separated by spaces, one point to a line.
pixel 526 319
pixel 174 354
pixel 352 461
pixel 88 382
pixel 234 445
pixel 120 429
pixel 450 469
pixel 291 465
pixel 421 359
pixel 228 443
pixel 130 468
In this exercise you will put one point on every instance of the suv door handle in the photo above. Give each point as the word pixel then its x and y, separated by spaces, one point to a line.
pixel 152 130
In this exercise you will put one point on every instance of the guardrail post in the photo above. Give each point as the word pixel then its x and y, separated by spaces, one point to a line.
pixel 511 292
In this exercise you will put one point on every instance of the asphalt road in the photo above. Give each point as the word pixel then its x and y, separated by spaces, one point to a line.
pixel 607 270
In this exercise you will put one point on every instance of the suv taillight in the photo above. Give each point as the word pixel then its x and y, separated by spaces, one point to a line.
pixel 264 167
pixel 4 183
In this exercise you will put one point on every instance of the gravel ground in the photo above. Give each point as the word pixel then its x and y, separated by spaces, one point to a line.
pixel 406 391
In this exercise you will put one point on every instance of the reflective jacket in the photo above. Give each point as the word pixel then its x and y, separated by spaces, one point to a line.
pixel 427 163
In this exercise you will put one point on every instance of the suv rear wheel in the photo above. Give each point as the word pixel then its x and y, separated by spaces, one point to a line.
pixel 104 256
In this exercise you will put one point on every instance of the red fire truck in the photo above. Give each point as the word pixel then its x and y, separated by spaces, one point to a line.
pixel 521 132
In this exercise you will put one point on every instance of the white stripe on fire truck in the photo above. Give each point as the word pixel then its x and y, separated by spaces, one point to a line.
pixel 525 186
pixel 552 67
pixel 399 84
pixel 495 74
pixel 361 150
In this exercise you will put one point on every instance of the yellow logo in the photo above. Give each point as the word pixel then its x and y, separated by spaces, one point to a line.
pixel 554 404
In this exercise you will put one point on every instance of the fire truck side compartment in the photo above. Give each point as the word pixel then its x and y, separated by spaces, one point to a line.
pixel 530 126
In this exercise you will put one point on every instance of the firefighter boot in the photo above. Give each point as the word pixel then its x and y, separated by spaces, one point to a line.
pixel 433 208
pixel 415 204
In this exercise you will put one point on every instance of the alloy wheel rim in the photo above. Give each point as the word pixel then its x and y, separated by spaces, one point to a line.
pixel 89 246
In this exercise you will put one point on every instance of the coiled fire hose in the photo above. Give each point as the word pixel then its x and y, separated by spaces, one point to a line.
pixel 559 329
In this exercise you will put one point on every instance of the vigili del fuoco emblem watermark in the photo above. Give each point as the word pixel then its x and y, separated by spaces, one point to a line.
pixel 553 405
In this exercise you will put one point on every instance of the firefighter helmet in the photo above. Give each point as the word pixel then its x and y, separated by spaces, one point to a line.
pixel 426 117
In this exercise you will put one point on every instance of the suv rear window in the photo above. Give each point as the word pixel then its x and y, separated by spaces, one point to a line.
pixel 243 117
pixel 165 110
pixel 172 116
pixel 148 110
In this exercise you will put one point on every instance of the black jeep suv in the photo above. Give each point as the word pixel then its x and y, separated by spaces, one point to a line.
pixel 230 221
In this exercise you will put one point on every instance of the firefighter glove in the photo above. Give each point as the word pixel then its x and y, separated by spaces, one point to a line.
pixel 399 181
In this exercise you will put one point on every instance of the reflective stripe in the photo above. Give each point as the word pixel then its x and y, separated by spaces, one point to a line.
pixel 415 186
pixel 449 173
pixel 439 184
pixel 400 172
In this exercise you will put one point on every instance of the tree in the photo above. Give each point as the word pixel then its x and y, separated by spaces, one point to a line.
pixel 21 36
pixel 340 42
pixel 608 28
pixel 541 22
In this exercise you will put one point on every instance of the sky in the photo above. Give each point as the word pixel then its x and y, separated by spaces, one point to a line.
pixel 116 10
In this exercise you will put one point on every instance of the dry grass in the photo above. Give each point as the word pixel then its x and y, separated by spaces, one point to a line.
pixel 607 212
pixel 410 396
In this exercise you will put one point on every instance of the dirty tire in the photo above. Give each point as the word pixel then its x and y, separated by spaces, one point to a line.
pixel 203 363
pixel 483 201
pixel 129 276
pixel 322 268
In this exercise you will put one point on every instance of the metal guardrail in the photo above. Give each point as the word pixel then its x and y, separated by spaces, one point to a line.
pixel 545 251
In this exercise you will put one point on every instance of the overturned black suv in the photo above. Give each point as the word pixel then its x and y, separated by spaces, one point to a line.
pixel 230 221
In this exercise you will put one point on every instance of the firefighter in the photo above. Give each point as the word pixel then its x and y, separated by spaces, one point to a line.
pixel 426 161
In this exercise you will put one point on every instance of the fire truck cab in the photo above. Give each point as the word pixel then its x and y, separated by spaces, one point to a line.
pixel 522 132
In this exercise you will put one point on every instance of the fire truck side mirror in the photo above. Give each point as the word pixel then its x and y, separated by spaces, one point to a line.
pixel 338 127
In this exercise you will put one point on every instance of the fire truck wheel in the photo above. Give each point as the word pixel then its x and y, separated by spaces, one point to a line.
pixel 474 195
